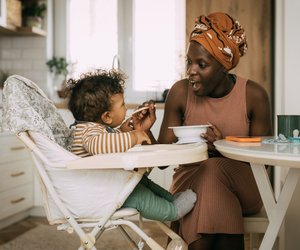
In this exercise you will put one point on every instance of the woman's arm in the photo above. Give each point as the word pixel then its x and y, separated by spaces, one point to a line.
pixel 174 111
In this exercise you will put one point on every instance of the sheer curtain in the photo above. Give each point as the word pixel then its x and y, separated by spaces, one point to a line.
pixel 93 38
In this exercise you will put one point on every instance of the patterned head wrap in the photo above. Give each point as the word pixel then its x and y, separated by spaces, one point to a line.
pixel 222 36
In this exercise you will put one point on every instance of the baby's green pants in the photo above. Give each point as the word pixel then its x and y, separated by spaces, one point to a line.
pixel 152 201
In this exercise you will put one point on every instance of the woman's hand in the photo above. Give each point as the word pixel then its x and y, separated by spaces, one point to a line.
pixel 127 125
pixel 213 134
pixel 145 119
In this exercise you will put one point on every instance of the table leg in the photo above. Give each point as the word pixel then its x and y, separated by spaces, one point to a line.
pixel 275 210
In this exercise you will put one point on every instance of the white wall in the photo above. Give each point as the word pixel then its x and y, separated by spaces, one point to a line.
pixel 287 89
pixel 287 44
pixel 25 56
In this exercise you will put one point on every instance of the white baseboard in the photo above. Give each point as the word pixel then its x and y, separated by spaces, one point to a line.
pixel 14 218
pixel 37 212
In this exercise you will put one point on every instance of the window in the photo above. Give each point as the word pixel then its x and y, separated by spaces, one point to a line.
pixel 93 38
pixel 144 38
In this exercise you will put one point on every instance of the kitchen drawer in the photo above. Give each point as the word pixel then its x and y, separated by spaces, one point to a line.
pixel 12 149
pixel 8 138
pixel 15 173
pixel 16 200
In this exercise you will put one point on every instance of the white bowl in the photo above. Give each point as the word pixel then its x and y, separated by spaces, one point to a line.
pixel 190 134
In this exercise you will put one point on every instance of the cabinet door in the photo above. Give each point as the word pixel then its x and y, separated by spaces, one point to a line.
pixel 16 200
pixel 12 149
pixel 16 189
pixel 15 174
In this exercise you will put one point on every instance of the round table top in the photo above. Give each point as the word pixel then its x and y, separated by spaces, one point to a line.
pixel 142 156
pixel 286 154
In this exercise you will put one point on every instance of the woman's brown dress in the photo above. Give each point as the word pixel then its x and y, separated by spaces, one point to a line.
pixel 225 188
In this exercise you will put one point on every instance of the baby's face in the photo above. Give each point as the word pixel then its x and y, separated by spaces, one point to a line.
pixel 118 110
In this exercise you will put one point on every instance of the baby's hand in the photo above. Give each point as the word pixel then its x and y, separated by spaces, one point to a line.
pixel 138 137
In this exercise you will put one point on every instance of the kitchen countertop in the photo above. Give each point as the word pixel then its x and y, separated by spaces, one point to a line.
pixel 63 105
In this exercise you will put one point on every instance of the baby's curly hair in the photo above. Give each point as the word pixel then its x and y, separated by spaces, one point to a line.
pixel 90 95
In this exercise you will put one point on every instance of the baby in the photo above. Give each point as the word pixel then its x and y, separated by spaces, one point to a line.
pixel 97 103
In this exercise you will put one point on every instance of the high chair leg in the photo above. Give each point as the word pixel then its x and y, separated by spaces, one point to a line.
pixel 130 241
pixel 176 241
pixel 149 241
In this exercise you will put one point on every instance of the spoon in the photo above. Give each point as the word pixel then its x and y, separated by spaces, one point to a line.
pixel 133 113
pixel 139 110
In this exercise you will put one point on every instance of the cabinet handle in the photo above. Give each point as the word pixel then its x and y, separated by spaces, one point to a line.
pixel 17 174
pixel 17 148
pixel 17 200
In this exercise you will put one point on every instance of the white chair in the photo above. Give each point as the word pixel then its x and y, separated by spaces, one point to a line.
pixel 68 193
pixel 254 225
pixel 257 224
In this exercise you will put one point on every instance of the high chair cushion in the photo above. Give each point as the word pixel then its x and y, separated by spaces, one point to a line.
pixel 85 193
pixel 26 107
pixel 54 153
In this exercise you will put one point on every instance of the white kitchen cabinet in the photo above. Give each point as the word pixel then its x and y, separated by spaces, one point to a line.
pixel 16 187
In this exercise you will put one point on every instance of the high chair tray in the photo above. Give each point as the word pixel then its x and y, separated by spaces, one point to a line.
pixel 144 156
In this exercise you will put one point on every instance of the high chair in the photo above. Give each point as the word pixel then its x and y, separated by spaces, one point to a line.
pixel 85 195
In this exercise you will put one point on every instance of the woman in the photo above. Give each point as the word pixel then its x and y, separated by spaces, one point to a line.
pixel 225 188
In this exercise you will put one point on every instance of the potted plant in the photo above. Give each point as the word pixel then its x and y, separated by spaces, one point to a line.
pixel 33 12
pixel 59 67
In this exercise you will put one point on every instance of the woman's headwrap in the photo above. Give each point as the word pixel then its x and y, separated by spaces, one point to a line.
pixel 222 36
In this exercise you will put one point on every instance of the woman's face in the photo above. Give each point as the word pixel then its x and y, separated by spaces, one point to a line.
pixel 118 110
pixel 204 72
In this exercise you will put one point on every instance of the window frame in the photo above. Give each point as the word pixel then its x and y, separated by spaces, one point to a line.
pixel 125 47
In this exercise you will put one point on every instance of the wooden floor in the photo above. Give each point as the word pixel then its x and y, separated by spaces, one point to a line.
pixel 13 231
